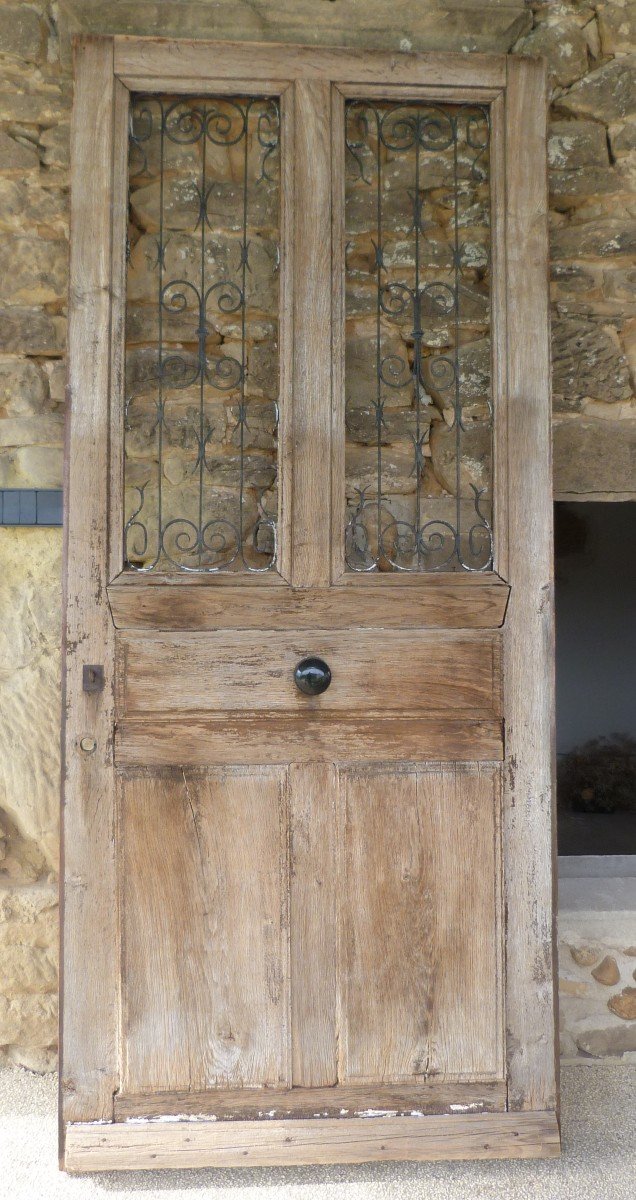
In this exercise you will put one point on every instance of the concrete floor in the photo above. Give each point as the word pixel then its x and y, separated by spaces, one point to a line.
pixel 598 1163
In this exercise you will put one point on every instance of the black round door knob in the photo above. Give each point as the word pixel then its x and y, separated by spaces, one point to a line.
pixel 312 676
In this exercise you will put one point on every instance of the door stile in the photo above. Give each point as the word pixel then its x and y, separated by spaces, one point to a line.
pixel 498 339
pixel 311 484
pixel 118 329
pixel 338 251
pixel 286 332
pixel 528 632
pixel 88 1049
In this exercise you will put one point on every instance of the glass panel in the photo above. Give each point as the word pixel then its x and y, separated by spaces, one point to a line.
pixel 202 372
pixel 418 371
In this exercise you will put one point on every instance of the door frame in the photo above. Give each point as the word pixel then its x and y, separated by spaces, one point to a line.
pixel 106 70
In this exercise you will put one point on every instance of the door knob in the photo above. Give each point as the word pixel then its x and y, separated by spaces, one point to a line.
pixel 312 676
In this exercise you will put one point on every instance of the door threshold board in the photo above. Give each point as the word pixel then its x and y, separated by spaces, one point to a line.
pixel 168 1143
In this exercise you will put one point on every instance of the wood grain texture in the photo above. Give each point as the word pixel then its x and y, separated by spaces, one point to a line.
pixel 285 333
pixel 435 603
pixel 204 915
pixel 420 959
pixel 312 924
pixel 311 298
pixel 462 829
pixel 528 654
pixel 159 61
pixel 338 337
pixel 426 1097
pixel 89 989
pixel 151 1144
pixel 498 339
pixel 121 104
pixel 375 671
pixel 253 739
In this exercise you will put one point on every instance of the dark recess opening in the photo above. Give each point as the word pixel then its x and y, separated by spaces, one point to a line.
pixel 595 579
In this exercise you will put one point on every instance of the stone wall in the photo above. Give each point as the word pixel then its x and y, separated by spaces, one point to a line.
pixel 593 216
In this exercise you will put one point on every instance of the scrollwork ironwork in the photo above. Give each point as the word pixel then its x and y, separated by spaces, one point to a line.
pixel 424 146
pixel 156 534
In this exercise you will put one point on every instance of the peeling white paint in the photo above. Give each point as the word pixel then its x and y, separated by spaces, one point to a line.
pixel 376 1112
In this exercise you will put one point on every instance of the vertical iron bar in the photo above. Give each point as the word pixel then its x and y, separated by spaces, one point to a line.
pixel 160 331
pixel 457 405
pixel 417 340
pixel 243 326
pixel 202 356
pixel 378 336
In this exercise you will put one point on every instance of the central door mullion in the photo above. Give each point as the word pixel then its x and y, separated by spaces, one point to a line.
pixel 311 375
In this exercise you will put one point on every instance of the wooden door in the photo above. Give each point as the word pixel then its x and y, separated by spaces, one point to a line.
pixel 309 420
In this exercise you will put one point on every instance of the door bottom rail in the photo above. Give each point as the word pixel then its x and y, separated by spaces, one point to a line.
pixel 139 1144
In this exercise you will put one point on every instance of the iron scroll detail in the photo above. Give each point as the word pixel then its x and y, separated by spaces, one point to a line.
pixel 407 164
pixel 190 396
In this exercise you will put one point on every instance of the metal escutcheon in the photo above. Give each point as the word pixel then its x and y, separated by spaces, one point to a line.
pixel 312 676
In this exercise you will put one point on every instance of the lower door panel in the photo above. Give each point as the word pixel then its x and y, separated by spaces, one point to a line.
pixel 327 934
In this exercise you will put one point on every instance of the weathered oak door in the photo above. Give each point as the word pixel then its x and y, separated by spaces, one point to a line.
pixel 307 905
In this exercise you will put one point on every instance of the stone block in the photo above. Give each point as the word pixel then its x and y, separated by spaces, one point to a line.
pixel 563 45
pixel 40 430
pixel 16 158
pixel 29 1019
pixel 475 458
pixel 607 94
pixel 574 144
pixel 30 602
pixel 33 271
pixel 29 208
pixel 23 387
pixel 31 331
pixel 22 32
pixel 624 1004
pixel 609 1042
pixel 617 26
pixel 623 139
pixel 594 239
pixel 568 188
pixel 607 971
pixel 31 466
pixel 55 144
pixel 587 360
pixel 385 24
pixel 594 456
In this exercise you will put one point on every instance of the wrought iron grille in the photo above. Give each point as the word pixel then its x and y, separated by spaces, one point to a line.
pixel 201 410
pixel 418 377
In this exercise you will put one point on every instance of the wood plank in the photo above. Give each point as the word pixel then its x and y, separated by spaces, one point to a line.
pixel 528 654
pixel 427 1097
pixel 311 416
pixel 204 914
pixel 338 402
pixel 434 603
pixel 312 925
pixel 461 810
pixel 121 103
pixel 498 342
pixel 89 989
pixel 419 864
pixel 153 1144
pixel 285 333
pixel 379 671
pixel 385 930
pixel 253 739
pixel 162 60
